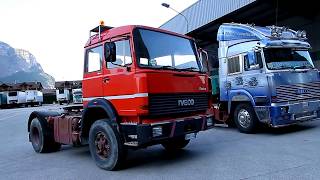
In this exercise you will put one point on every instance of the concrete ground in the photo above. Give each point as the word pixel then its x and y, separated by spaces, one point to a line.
pixel 220 153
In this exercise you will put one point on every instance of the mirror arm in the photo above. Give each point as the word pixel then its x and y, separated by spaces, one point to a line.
pixel 207 58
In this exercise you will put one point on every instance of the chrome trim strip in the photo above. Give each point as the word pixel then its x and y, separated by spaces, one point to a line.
pixel 295 103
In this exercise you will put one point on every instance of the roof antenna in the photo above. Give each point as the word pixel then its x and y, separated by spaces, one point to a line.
pixel 277 9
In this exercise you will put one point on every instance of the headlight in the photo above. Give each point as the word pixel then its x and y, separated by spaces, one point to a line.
pixel 156 131
pixel 284 109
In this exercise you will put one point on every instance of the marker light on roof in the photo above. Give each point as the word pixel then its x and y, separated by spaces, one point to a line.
pixel 303 34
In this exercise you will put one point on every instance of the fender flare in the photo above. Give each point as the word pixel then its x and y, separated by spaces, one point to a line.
pixel 103 104
pixel 41 115
pixel 240 96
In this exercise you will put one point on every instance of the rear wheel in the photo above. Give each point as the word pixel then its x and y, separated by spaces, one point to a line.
pixel 245 118
pixel 175 144
pixel 106 146
pixel 41 138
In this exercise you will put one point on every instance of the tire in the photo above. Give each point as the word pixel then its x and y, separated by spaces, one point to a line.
pixel 175 144
pixel 106 146
pixel 245 118
pixel 41 138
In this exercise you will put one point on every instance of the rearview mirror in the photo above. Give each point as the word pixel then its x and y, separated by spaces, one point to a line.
pixel 204 59
pixel 110 52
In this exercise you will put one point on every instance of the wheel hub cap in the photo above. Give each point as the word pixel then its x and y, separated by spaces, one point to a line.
pixel 102 145
pixel 244 118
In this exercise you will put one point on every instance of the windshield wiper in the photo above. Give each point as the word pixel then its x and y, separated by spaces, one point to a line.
pixel 280 67
pixel 190 68
pixel 168 68
pixel 302 67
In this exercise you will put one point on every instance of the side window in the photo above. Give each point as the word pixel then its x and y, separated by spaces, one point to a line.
pixel 123 54
pixel 234 65
pixel 252 61
pixel 93 59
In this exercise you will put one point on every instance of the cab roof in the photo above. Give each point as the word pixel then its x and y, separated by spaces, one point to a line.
pixel 236 31
pixel 107 32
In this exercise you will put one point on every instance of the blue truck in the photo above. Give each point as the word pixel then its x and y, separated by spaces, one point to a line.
pixel 265 75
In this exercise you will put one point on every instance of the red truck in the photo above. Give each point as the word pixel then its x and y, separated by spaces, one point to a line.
pixel 141 86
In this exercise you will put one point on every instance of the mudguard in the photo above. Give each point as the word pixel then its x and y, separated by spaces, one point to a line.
pixel 41 115
pixel 239 96
pixel 103 104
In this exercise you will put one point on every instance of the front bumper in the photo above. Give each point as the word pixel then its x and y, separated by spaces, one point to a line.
pixel 282 114
pixel 155 133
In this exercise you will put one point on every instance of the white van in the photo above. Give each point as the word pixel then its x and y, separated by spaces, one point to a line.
pixel 16 98
pixel 63 96
pixel 34 97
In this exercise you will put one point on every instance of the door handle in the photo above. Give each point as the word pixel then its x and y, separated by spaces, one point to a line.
pixel 106 79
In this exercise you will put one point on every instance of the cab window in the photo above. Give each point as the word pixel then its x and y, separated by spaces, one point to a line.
pixel 234 65
pixel 252 61
pixel 123 54
pixel 93 59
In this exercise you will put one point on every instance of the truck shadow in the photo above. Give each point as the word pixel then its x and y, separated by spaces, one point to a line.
pixel 156 156
pixel 288 129
pixel 277 131
pixel 149 157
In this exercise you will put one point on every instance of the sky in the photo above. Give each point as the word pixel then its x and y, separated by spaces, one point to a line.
pixel 56 31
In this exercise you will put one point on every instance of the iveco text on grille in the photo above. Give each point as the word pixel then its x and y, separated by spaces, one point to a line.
pixel 186 102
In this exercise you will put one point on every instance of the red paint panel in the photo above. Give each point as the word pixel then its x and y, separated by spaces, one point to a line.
pixel 63 130
pixel 176 82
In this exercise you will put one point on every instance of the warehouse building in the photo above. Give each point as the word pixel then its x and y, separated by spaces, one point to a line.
pixel 205 16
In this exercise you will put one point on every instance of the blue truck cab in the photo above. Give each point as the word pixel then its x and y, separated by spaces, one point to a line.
pixel 265 75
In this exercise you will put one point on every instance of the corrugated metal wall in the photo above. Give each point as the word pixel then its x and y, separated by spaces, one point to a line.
pixel 202 13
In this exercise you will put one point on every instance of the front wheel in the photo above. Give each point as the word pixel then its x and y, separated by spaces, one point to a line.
pixel 105 145
pixel 245 118
pixel 175 144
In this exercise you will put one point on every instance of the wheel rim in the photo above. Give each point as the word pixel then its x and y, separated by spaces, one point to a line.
pixel 35 136
pixel 244 118
pixel 102 145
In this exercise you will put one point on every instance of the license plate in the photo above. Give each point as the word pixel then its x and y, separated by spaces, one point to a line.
pixel 190 136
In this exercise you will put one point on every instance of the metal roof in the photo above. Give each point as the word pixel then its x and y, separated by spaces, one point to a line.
pixel 203 12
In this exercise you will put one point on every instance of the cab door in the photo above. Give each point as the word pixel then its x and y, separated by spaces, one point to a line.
pixel 255 80
pixel 119 84
pixel 92 76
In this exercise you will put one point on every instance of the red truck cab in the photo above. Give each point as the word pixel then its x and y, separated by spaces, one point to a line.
pixel 141 86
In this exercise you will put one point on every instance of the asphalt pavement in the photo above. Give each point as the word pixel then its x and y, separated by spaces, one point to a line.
pixel 221 153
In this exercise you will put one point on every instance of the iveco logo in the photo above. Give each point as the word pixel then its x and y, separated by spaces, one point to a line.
pixel 302 91
pixel 186 102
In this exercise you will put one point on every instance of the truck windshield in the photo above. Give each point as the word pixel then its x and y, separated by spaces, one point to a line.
pixel 287 58
pixel 165 51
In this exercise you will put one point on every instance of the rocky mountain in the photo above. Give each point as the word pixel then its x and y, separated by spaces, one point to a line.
pixel 18 65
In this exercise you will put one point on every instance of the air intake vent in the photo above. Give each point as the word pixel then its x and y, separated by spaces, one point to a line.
pixel 163 104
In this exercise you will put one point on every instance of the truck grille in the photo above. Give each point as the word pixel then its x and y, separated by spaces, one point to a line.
pixel 295 92
pixel 163 104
